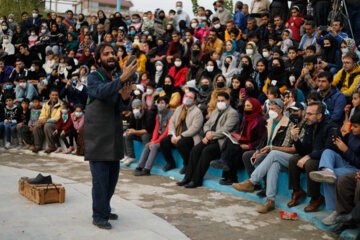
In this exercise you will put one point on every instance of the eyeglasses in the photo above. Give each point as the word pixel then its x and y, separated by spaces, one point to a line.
pixel 347 63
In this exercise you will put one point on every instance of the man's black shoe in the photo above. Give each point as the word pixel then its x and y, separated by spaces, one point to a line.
pixel 138 169
pixel 262 193
pixel 144 172
pixel 191 185
pixel 345 218
pixel 340 227
pixel 257 187
pixel 104 225
pixel 168 167
pixel 113 216
pixel 40 179
pixel 183 182
pixel 220 164
pixel 225 181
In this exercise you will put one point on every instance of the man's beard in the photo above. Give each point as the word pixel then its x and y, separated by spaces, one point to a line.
pixel 107 66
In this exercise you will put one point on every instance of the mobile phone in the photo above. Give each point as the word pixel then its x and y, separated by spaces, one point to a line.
pixel 242 91
pixel 131 59
pixel 335 133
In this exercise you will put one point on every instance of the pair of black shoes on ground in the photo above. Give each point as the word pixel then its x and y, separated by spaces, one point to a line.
pixel 141 172
pixel 40 179
pixel 105 224
pixel 187 184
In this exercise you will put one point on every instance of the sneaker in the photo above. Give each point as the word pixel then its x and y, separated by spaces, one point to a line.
pixel 124 159
pixel 267 207
pixel 323 176
pixel 69 150
pixel 330 220
pixel 7 145
pixel 103 225
pixel 129 161
pixel 58 150
pixel 245 186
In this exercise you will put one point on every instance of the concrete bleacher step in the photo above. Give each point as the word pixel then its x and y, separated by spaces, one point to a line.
pixel 213 176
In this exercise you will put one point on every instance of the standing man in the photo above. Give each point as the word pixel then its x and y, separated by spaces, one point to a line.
pixel 109 94
pixel 222 13
pixel 181 15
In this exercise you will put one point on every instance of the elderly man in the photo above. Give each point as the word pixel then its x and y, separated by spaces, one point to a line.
pixel 181 15
pixel 221 120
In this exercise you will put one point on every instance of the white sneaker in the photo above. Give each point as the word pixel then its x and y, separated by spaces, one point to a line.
pixel 129 161
pixel 124 159
pixel 7 145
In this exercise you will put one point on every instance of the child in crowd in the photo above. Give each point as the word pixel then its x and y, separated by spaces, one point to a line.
pixel 286 41
pixel 64 129
pixel 11 117
pixel 78 122
pixel 349 112
pixel 33 37
pixel 145 78
pixel 50 62
pixel 27 132
pixel 23 122
pixel 271 93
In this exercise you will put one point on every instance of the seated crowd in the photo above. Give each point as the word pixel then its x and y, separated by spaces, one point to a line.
pixel 263 91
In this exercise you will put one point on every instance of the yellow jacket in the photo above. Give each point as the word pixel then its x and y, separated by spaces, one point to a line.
pixel 175 100
pixel 213 100
pixel 217 46
pixel 55 114
pixel 142 63
pixel 347 87
pixel 268 81
pixel 227 35
pixel 122 62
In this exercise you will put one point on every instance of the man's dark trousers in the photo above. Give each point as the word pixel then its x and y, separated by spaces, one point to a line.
pixel 104 178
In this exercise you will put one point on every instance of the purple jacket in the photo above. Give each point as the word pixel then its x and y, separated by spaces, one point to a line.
pixel 6 74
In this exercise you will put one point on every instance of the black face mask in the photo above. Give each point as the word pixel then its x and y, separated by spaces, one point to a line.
pixel 167 87
pixel 161 17
pixel 276 69
pixel 204 87
pixel 220 84
pixel 196 52
pixel 248 112
pixel 294 118
pixel 245 66
pixel 249 91
pixel 226 64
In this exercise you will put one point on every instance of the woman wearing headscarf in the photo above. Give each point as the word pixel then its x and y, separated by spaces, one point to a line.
pixel 172 92
pixel 19 37
pixel 72 41
pixel 42 42
pixel 247 138
pixel 122 56
pixel 159 23
pixel 247 71
pixel 278 76
pixel 229 69
pixel 252 52
pixel 103 20
pixel 117 21
pixel 56 38
pixel 261 73
pixel 86 58
pixel 204 96
pixel 219 84
pixel 159 74
pixel 178 71
pixel 348 45
pixel 230 50
pixel 330 55
pixel 210 70
pixel 5 30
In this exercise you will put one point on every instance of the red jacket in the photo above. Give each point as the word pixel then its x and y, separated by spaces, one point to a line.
pixel 294 26
pixel 155 138
pixel 66 126
pixel 180 77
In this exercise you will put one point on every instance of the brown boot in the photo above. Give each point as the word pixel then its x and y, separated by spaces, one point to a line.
pixel 315 204
pixel 36 149
pixel 245 186
pixel 296 196
pixel 269 205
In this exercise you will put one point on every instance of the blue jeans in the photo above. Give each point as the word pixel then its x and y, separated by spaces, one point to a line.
pixel 270 167
pixel 334 161
pixel 354 16
pixel 7 130
pixel 104 178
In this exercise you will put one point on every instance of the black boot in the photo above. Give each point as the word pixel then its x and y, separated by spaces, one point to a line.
pixel 144 172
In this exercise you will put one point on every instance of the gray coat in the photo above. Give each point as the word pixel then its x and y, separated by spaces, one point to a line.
pixel 226 123
pixel 103 130
pixel 194 121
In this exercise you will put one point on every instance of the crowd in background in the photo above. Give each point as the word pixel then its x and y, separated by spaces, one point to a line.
pixel 265 85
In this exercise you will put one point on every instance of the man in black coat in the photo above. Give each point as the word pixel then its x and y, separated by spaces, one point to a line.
pixel 109 94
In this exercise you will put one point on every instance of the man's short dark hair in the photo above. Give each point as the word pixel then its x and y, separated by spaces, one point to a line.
pixel 23 13
pixel 235 31
pixel 352 55
pixel 24 45
pixel 8 96
pixel 314 96
pixel 54 90
pixel 176 33
pixel 101 48
pixel 320 106
pixel 265 15
pixel 292 48
pixel 355 118
pixel 215 19
pixel 312 48
pixel 278 16
pixel 36 98
pixel 239 4
pixel 165 99
pixel 326 75
pixel 224 94
pixel 25 100
pixel 310 23
pixel 310 59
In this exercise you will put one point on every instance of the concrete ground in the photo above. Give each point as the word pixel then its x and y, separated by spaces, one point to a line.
pixel 198 213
